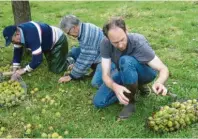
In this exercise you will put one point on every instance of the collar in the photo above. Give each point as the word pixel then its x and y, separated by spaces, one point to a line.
pixel 22 36
pixel 80 30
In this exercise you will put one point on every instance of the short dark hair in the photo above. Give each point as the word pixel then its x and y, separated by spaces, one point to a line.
pixel 114 22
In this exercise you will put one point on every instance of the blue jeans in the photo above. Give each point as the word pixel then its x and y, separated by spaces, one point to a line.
pixel 97 78
pixel 74 52
pixel 131 71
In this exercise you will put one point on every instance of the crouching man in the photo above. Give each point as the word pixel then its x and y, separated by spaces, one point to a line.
pixel 137 65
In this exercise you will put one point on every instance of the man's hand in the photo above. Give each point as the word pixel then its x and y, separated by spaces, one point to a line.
pixel 14 69
pixel 64 79
pixel 119 91
pixel 20 71
pixel 70 67
pixel 15 77
pixel 159 88
pixel 17 74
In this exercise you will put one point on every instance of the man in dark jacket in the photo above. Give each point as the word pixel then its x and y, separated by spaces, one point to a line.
pixel 39 38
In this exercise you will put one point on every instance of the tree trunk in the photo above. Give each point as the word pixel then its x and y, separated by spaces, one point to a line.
pixel 21 11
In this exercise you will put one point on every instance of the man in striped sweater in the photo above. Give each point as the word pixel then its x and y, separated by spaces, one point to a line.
pixel 39 38
pixel 88 53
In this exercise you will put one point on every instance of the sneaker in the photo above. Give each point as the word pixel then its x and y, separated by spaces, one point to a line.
pixel 127 111
pixel 145 90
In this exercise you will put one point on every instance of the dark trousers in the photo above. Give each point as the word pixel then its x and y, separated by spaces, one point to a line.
pixel 56 58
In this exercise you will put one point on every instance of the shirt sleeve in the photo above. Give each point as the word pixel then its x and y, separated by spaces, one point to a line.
pixel 143 52
pixel 83 63
pixel 36 61
pixel 18 51
pixel 34 43
pixel 105 48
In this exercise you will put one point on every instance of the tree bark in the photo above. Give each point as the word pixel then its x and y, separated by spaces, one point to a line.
pixel 21 11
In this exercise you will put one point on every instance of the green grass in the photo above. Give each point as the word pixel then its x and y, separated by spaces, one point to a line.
pixel 171 28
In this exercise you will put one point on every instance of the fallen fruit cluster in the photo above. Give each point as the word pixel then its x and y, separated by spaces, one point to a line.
pixel 30 129
pixel 11 93
pixel 5 68
pixel 52 135
pixel 48 99
pixel 33 91
pixel 176 116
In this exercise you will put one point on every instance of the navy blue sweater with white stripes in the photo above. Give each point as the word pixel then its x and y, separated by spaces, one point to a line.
pixel 38 37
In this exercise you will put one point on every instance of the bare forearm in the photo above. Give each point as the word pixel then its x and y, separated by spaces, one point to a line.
pixel 109 82
pixel 163 75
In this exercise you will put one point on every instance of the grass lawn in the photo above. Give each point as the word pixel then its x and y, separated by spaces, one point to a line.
pixel 170 27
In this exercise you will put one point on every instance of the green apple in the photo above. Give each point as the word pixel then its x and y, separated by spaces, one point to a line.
pixel 3 129
pixel 52 102
pixel 9 136
pixel 28 131
pixel 43 100
pixel 50 128
pixel 36 89
pixel 58 114
pixel 66 132
pixel 32 92
pixel 28 126
pixel 55 135
pixel 14 114
pixel 44 135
